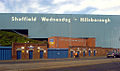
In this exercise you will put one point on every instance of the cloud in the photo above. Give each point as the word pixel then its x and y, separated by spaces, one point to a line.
pixel 59 1
pixel 2 7
pixel 61 6
pixel 100 6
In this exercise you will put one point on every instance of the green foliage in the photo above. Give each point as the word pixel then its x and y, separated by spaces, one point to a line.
pixel 6 39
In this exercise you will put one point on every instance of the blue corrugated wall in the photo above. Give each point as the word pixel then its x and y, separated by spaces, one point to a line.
pixel 57 53
pixel 5 53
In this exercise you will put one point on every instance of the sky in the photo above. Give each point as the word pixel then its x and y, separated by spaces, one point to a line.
pixel 103 7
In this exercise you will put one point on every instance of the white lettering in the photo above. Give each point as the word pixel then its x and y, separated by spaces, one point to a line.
pixel 24 19
pixel 106 20
pixel 51 19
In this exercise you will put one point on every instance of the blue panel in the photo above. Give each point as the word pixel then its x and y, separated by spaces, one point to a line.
pixel 83 53
pixel 18 54
pixel 0 54
pixel 57 53
pixel 41 54
pixel 10 57
pixel 94 52
pixel 9 54
pixel 89 53
pixel 6 56
pixel 5 53
pixel 78 53
pixel 30 54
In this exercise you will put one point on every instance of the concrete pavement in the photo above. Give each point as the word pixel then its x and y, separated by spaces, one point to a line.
pixel 53 64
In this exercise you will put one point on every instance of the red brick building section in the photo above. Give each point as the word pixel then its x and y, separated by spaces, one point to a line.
pixel 91 42
pixel 24 48
pixel 65 42
pixel 99 51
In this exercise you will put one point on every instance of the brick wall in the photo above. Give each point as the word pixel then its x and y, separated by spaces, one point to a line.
pixel 26 47
pixel 99 51
pixel 65 42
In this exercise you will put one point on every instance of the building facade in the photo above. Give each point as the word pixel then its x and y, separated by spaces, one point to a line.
pixel 66 42
pixel 29 51
pixel 59 47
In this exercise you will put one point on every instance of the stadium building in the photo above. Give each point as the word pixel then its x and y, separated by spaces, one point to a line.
pixel 67 34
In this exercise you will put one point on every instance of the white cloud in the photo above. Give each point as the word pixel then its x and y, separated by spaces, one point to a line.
pixel 38 7
pixel 3 8
pixel 101 6
pixel 59 1
pixel 69 8
pixel 23 6
pixel 116 12
pixel 62 6
pixel 18 0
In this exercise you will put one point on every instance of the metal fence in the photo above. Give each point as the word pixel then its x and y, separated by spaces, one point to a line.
pixel 5 53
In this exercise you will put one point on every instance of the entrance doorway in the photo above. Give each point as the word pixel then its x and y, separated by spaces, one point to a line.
pixel 83 53
pixel 41 54
pixel 30 54
pixel 89 53
pixel 18 54
pixel 94 52
pixel 71 53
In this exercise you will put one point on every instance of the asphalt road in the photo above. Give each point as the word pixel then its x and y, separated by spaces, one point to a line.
pixel 114 66
pixel 69 64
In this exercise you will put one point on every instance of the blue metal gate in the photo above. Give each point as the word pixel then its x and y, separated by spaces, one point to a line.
pixel 71 53
pixel 18 54
pixel 94 52
pixel 41 54
pixel 30 54
pixel 78 53
pixel 57 52
pixel 89 52
pixel 83 53
pixel 5 53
